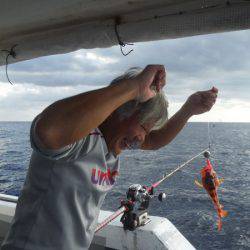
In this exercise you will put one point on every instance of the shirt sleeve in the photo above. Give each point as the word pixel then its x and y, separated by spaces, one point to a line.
pixel 66 152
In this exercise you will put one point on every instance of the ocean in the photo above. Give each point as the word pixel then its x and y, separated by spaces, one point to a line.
pixel 188 207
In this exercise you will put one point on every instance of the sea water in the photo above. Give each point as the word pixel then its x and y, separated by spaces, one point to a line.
pixel 187 206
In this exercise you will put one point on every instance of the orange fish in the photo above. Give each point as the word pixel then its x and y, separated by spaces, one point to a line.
pixel 210 182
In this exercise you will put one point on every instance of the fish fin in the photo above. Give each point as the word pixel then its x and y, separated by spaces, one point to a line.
pixel 221 181
pixel 223 213
pixel 198 184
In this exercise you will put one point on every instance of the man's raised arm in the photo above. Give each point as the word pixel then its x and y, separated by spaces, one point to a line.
pixel 198 103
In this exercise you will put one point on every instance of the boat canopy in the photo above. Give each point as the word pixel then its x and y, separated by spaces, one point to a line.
pixel 48 27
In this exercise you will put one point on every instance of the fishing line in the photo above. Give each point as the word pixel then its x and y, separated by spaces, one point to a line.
pixel 210 140
pixel 209 135
pixel 213 147
pixel 121 43
pixel 12 53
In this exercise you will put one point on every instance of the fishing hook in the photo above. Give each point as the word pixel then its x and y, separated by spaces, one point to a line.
pixel 121 43
pixel 12 53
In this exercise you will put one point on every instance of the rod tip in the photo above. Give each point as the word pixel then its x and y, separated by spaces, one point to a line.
pixel 207 154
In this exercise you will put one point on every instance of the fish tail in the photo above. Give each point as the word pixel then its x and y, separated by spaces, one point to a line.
pixel 223 213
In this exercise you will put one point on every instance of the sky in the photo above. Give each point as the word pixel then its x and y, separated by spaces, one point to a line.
pixel 192 64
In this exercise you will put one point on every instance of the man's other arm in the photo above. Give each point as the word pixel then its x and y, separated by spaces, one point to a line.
pixel 198 103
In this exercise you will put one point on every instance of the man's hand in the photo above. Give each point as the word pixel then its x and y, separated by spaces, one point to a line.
pixel 200 102
pixel 151 80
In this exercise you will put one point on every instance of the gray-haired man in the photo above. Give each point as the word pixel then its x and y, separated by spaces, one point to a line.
pixel 76 142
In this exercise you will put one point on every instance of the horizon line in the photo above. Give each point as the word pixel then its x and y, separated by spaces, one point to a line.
pixel 187 122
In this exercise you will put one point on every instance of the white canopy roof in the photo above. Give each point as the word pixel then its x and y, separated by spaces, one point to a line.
pixel 47 27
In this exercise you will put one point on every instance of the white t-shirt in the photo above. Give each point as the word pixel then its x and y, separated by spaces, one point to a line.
pixel 61 198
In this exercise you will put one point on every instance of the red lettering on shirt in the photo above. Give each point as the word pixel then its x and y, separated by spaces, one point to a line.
pixel 103 178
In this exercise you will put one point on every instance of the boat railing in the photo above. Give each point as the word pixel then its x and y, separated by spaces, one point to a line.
pixel 10 198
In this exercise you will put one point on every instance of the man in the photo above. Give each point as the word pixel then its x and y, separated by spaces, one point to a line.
pixel 76 142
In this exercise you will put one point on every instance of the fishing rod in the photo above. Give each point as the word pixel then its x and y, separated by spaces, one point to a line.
pixel 134 208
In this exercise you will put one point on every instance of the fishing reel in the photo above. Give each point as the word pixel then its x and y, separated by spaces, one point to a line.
pixel 137 203
pixel 139 194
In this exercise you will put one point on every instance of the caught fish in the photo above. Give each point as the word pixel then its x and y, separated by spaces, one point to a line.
pixel 210 182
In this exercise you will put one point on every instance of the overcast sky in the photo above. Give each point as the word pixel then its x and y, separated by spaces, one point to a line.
pixel 193 64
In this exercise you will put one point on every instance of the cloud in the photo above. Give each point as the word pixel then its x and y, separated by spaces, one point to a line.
pixel 76 68
pixel 193 63
pixel 224 111
pixel 24 102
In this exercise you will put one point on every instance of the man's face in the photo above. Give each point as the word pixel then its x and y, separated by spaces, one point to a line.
pixel 129 134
